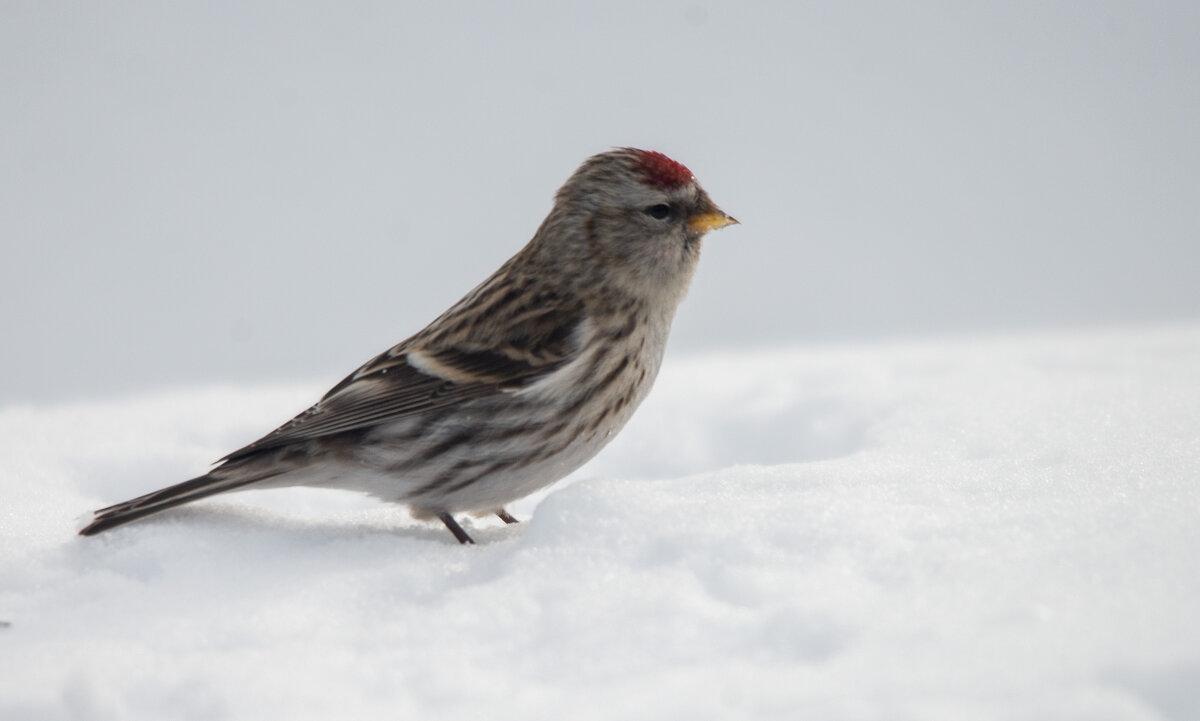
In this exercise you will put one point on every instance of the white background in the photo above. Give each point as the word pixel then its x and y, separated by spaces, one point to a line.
pixel 241 192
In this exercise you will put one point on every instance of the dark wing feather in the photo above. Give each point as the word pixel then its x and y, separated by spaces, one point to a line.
pixel 389 387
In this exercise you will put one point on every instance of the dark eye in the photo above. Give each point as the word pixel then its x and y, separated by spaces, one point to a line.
pixel 659 212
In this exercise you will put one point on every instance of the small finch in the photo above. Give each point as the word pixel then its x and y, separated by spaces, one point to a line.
pixel 516 385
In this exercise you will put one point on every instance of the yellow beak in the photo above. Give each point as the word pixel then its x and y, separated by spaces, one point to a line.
pixel 711 220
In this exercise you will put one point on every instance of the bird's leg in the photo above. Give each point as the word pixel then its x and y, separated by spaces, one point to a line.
pixel 456 529
pixel 505 516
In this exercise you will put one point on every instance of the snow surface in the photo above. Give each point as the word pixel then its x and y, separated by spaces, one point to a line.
pixel 992 528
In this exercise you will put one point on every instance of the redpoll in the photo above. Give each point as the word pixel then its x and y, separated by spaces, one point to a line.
pixel 516 385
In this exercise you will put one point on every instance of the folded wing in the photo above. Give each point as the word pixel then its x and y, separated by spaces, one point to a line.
pixel 418 376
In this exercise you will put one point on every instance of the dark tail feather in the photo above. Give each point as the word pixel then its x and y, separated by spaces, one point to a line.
pixel 169 497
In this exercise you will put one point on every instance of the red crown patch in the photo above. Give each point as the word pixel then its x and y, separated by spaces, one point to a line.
pixel 662 172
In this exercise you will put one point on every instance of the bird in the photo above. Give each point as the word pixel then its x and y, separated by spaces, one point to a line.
pixel 515 386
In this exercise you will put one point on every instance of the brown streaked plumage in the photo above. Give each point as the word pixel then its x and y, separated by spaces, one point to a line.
pixel 516 385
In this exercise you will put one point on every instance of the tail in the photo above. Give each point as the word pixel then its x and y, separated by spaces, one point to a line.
pixel 169 497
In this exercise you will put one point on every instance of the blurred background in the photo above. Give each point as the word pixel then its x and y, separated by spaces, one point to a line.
pixel 244 192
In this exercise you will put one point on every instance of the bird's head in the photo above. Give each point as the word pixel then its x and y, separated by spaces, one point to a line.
pixel 635 218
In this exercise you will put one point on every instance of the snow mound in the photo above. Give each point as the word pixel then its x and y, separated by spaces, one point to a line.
pixel 987 529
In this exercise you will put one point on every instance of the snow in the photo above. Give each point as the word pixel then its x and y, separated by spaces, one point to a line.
pixel 970 528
